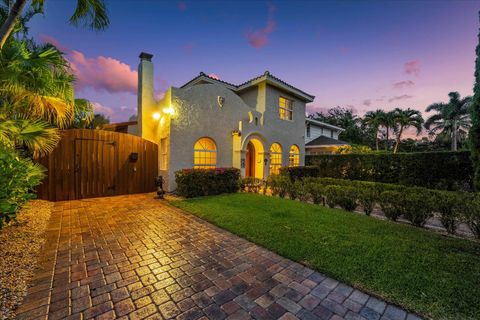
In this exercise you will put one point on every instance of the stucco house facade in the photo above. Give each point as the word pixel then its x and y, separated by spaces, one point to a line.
pixel 257 126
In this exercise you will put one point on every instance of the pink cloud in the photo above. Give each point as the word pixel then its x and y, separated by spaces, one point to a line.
pixel 99 73
pixel 101 109
pixel 402 97
pixel 412 67
pixel 259 38
pixel 214 76
pixel 367 102
pixel 403 84
pixel 182 6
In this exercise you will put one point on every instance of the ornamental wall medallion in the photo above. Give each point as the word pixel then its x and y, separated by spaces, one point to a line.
pixel 220 101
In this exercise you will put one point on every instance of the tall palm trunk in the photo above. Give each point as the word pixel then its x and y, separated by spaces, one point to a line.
pixel 386 143
pixel 397 142
pixel 376 138
pixel 9 23
pixel 454 136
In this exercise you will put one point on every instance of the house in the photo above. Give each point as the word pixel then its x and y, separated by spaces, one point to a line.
pixel 321 137
pixel 257 126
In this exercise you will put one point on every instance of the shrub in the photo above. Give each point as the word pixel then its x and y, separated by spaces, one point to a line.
pixel 292 189
pixel 417 207
pixel 437 170
pixel 345 197
pixel 252 184
pixel 302 191
pixel 315 190
pixel 470 209
pixel 446 203
pixel 392 203
pixel 278 184
pixel 18 177
pixel 203 182
pixel 367 198
pixel 300 172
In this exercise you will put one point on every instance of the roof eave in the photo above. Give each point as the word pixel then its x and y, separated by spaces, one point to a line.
pixel 298 93
pixel 331 126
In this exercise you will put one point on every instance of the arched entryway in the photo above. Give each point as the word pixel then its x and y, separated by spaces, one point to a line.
pixel 254 159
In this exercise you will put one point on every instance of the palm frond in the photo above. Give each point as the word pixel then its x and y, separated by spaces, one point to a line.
pixel 91 13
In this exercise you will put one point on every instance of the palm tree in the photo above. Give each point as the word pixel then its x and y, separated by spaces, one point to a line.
pixel 404 119
pixel 451 119
pixel 388 122
pixel 91 13
pixel 374 120
pixel 35 83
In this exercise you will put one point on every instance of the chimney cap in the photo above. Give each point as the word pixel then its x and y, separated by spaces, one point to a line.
pixel 146 56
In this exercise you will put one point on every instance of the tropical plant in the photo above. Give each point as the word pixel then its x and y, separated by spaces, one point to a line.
pixel 35 83
pixel 90 13
pixel 388 122
pixel 374 119
pixel 474 134
pixel 451 119
pixel 18 177
pixel 98 121
pixel 82 114
pixel 403 120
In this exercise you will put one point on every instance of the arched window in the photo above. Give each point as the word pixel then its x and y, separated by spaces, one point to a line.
pixel 204 154
pixel 294 156
pixel 275 158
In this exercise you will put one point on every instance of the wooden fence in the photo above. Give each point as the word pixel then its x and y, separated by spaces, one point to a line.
pixel 96 163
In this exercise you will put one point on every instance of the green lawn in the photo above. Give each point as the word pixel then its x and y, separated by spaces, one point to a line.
pixel 431 274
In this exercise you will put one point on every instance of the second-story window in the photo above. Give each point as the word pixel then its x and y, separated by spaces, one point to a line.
pixel 308 130
pixel 285 108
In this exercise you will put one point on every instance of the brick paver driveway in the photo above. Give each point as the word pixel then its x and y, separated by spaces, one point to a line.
pixel 133 257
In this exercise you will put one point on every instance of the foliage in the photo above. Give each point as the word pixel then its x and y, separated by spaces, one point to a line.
pixel 36 83
pixel 404 119
pixel 98 121
pixel 315 190
pixel 203 182
pixel 278 184
pixel 36 135
pixel 252 184
pixel 474 134
pixel 393 204
pixel 448 204
pixel 18 177
pixel 301 191
pixel 451 119
pixel 373 120
pixel 330 193
pixel 471 213
pixel 366 198
pixel 300 172
pixel 424 272
pixel 417 206
pixel 82 114
pixel 354 148
pixel 438 170
pixel 354 130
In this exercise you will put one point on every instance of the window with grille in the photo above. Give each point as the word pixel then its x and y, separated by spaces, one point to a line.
pixel 294 156
pixel 275 158
pixel 285 108
pixel 204 154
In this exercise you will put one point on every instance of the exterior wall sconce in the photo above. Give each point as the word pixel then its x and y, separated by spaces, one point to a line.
pixel 156 116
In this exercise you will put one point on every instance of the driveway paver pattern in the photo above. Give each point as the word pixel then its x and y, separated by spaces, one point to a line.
pixel 134 257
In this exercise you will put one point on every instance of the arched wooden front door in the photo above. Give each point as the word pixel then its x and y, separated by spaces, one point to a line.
pixel 250 160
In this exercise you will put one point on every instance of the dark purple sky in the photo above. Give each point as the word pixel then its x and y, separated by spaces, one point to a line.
pixel 361 54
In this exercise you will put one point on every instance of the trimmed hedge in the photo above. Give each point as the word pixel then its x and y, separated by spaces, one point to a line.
pixel 436 170
pixel 203 182
pixel 415 204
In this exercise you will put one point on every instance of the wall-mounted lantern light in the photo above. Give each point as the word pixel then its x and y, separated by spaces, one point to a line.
pixel 156 116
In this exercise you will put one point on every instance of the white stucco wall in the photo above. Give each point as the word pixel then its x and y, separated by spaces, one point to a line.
pixel 197 114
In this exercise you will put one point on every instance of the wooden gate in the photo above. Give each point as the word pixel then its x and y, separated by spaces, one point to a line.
pixel 96 163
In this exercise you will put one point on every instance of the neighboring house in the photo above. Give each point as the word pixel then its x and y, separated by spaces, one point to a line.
pixel 257 126
pixel 321 137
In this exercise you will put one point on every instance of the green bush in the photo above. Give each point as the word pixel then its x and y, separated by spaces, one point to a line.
pixel 252 184
pixel 302 191
pixel 345 197
pixel 204 182
pixel 300 172
pixel 292 189
pixel 278 185
pixel 417 207
pixel 471 213
pixel 315 190
pixel 447 203
pixel 392 203
pixel 18 177
pixel 367 197
pixel 436 170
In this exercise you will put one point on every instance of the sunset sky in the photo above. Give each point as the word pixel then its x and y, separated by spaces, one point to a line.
pixel 360 54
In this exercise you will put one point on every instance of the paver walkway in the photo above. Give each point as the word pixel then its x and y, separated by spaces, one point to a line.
pixel 133 257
